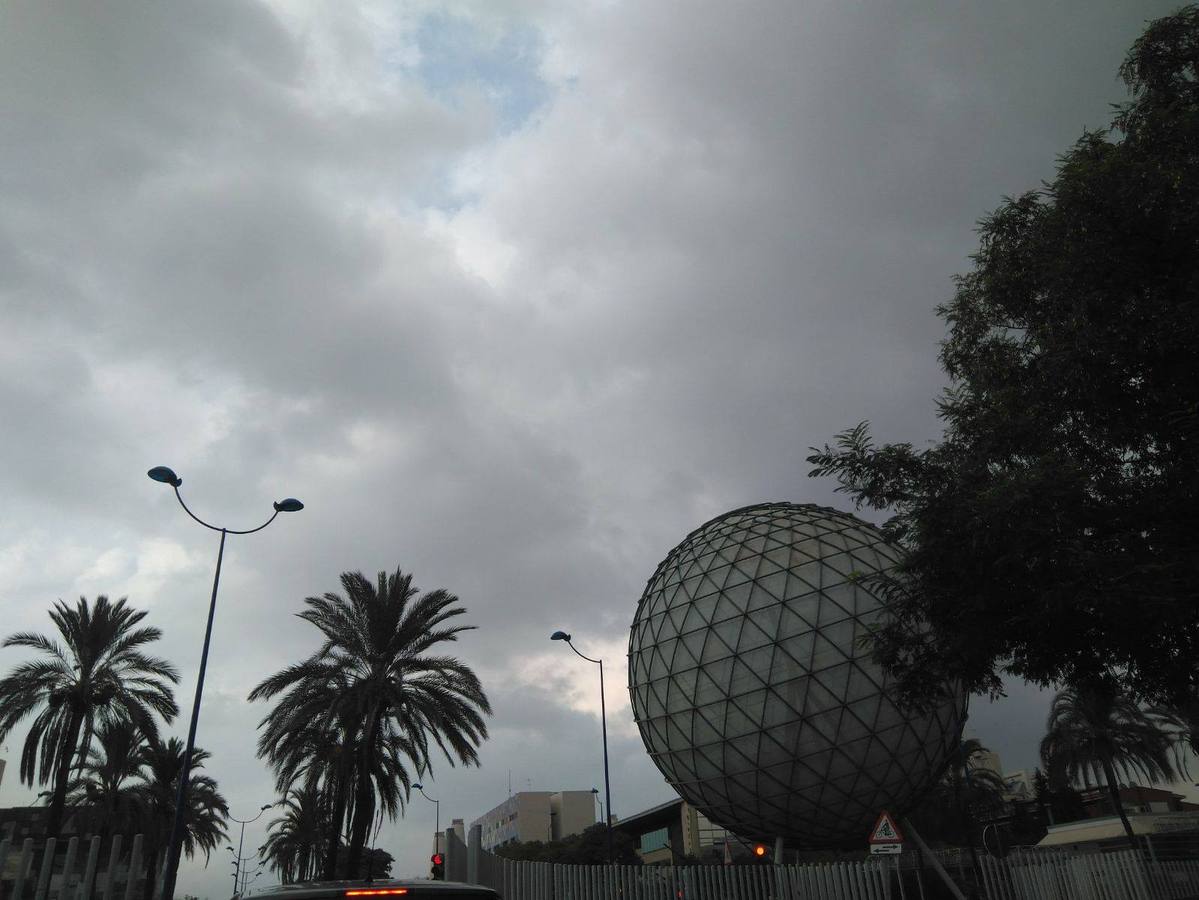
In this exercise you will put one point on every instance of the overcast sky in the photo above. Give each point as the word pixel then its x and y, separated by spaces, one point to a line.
pixel 512 294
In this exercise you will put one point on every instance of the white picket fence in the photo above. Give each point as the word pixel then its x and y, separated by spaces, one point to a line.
pixel 515 880
pixel 834 881
pixel 1059 875
pixel 78 877
pixel 1024 875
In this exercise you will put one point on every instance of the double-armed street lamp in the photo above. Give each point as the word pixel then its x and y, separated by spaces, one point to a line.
pixel 239 859
pixel 563 636
pixel 175 843
pixel 437 816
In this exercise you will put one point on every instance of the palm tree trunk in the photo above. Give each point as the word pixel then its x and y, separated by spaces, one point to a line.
pixel 1113 790
pixel 337 816
pixel 151 865
pixel 364 809
pixel 363 814
pixel 960 770
pixel 58 800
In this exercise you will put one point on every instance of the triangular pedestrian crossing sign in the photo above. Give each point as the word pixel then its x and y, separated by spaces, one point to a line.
pixel 885 830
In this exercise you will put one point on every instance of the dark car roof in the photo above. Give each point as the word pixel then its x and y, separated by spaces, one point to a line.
pixel 414 888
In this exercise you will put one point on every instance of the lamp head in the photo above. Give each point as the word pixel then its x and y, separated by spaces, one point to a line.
pixel 291 504
pixel 267 805
pixel 419 787
pixel 165 475
pixel 560 636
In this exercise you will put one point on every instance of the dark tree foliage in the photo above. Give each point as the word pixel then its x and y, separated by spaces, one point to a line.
pixel 1095 734
pixel 590 848
pixel 98 673
pixel 966 797
pixel 1026 827
pixel 374 703
pixel 1050 533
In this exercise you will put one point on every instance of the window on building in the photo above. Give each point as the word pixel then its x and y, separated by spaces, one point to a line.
pixel 654 840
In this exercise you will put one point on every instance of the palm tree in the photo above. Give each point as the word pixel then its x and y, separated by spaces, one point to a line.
pixel 204 814
pixel 295 841
pixel 1094 730
pixel 307 744
pixel 1183 721
pixel 105 781
pixel 98 674
pixel 945 813
pixel 375 684
pixel 975 786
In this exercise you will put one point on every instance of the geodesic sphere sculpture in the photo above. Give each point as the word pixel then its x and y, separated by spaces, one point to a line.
pixel 751 688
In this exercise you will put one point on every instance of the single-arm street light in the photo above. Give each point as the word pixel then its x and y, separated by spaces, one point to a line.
pixel 241 839
pixel 437 815
pixel 563 636
pixel 175 843
pixel 595 791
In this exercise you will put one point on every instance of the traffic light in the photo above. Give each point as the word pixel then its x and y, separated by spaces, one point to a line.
pixel 437 870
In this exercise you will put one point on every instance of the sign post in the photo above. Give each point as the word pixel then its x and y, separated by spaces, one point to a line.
pixel 887 840
pixel 933 861
pixel 885 837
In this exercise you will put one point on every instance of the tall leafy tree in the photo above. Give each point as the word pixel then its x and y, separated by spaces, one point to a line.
pixel 205 813
pixel 307 743
pixel 377 686
pixel 1095 732
pixel 99 673
pixel 107 783
pixel 296 839
pixel 966 793
pixel 1050 531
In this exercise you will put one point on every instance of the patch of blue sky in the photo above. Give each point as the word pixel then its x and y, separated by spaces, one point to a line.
pixel 455 55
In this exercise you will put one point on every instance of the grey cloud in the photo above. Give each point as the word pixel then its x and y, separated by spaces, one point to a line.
pixel 241 242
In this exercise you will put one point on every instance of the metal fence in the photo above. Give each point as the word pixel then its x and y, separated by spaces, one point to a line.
pixel 1023 875
pixel 542 881
pixel 1063 875
pixel 71 875
pixel 515 880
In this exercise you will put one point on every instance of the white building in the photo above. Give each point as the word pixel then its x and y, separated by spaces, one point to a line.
pixel 1019 785
pixel 537 816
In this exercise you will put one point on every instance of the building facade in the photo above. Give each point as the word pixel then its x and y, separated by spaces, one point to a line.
pixel 1136 800
pixel 537 816
pixel 671 832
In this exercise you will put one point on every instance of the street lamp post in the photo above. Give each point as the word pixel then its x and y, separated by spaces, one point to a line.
pixel 601 802
pixel 563 636
pixel 241 839
pixel 437 817
pixel 175 843
pixel 248 879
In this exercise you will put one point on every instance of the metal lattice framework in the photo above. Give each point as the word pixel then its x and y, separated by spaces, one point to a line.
pixel 751 687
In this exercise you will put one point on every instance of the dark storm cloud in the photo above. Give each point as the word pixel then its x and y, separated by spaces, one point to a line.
pixel 246 240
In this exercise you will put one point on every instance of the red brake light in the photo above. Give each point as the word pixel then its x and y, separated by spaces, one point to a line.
pixel 376 892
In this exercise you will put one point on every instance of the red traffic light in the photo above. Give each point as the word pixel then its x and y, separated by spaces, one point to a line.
pixel 437 859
